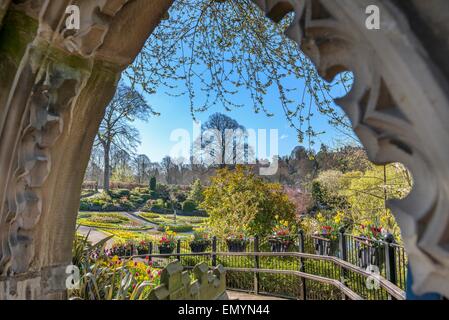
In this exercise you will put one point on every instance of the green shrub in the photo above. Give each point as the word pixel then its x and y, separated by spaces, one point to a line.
pixel 175 228
pixel 149 215
pixel 119 193
pixel 153 183
pixel 188 206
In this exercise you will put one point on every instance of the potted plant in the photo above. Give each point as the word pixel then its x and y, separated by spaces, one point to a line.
pixel 236 242
pixel 167 243
pixel 143 247
pixel 326 241
pixel 281 239
pixel 370 246
pixel 200 241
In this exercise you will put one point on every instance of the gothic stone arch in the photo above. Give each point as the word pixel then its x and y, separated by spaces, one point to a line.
pixel 55 83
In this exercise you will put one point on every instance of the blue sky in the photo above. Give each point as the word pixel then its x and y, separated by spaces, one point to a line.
pixel 175 113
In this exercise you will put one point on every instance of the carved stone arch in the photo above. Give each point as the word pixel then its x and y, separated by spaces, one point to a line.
pixel 54 87
pixel 55 84
pixel 398 107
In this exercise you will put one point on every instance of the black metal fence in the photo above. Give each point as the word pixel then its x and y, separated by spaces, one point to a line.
pixel 366 260
pixel 386 258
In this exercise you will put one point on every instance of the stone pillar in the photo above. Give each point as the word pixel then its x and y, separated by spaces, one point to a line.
pixel 54 86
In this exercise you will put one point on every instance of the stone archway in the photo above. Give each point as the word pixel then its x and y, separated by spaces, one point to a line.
pixel 55 84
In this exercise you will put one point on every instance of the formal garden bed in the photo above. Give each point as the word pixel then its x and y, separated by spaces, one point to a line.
pixel 109 220
pixel 181 224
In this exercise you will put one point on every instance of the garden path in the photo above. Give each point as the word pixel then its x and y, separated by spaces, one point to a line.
pixel 134 216
pixel 95 235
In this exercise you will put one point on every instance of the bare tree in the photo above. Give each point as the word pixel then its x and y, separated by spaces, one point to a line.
pixel 167 165
pixel 223 140
pixel 116 129
pixel 142 166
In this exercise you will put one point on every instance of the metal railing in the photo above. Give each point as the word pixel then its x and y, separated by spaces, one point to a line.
pixel 312 268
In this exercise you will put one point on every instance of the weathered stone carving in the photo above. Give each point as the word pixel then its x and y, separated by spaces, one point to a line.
pixel 95 19
pixel 398 107
pixel 176 284
pixel 51 103
pixel 55 84
pixel 4 4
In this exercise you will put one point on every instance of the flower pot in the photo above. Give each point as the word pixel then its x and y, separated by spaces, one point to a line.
pixel 163 249
pixel 236 246
pixel 142 251
pixel 199 246
pixel 370 255
pixel 278 245
pixel 326 247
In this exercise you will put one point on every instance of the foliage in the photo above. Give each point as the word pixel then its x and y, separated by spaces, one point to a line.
pixel 225 47
pixel 238 201
pixel 83 251
pixel 324 193
pixel 359 198
pixel 368 193
pixel 196 193
pixel 153 183
pixel 222 141
pixel 116 279
pixel 188 206
pixel 371 232
pixel 116 200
